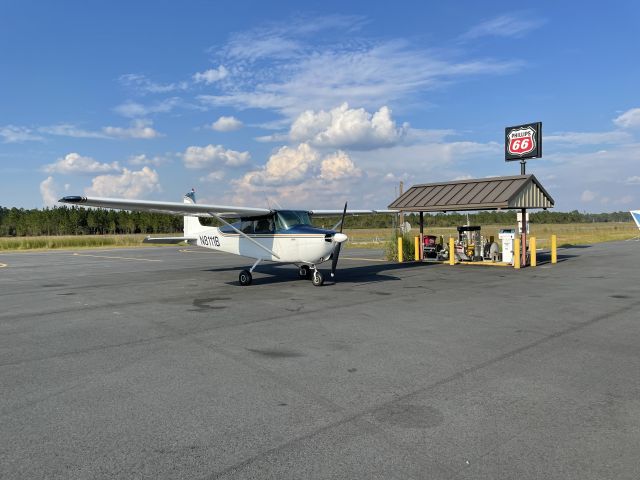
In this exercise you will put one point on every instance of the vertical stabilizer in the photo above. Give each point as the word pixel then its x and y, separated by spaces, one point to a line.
pixel 191 224
pixel 636 217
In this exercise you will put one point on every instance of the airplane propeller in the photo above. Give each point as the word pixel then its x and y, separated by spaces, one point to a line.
pixel 338 237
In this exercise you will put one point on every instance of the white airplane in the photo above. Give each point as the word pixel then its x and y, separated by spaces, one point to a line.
pixel 281 236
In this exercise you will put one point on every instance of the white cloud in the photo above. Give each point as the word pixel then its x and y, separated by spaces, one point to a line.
pixel 628 119
pixel 142 159
pixel 284 69
pixel 69 130
pixel 14 134
pixel 338 166
pixel 74 163
pixel 143 85
pixel 226 124
pixel 345 127
pixel 287 165
pixel 210 76
pixel 282 40
pixel 213 155
pixel 214 176
pixel 129 184
pixel 132 109
pixel 290 166
pixel 139 129
pixel 634 180
pixel 504 26
pixel 48 191
pixel 589 138
pixel 588 196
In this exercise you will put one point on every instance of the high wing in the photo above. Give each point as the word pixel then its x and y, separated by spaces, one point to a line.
pixel 329 213
pixel 173 208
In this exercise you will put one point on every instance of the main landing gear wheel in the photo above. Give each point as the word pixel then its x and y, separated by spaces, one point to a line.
pixel 245 278
pixel 304 271
pixel 318 279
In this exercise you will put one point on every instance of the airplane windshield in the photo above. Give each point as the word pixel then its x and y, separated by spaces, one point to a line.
pixel 290 218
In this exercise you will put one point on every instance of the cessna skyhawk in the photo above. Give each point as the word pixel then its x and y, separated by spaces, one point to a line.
pixel 281 236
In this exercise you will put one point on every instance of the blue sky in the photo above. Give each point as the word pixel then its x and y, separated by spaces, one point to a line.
pixel 309 104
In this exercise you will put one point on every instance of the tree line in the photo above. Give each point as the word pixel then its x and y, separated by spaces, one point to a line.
pixel 66 220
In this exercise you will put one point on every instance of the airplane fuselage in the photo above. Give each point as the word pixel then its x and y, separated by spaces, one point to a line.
pixel 299 245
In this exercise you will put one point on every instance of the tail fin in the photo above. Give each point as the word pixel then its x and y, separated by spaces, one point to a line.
pixel 635 214
pixel 191 224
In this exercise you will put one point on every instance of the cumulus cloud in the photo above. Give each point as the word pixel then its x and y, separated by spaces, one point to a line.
pixel 48 191
pixel 14 134
pixel 628 119
pixel 290 165
pixel 226 124
pixel 129 184
pixel 138 129
pixel 337 166
pixel 210 76
pixel 345 127
pixel 213 155
pixel 74 163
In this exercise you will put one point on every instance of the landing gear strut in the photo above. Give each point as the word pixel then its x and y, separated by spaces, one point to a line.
pixel 245 277
pixel 318 278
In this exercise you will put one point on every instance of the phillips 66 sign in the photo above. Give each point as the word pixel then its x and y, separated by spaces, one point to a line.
pixel 523 141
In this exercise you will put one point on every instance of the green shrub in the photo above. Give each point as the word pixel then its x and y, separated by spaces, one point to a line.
pixel 408 248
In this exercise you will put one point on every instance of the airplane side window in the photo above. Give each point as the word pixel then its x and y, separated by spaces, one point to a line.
pixel 263 225
pixel 246 226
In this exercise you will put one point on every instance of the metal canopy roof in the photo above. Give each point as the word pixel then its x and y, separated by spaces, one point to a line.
pixel 521 191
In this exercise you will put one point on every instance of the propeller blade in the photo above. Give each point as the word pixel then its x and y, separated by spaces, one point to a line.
pixel 339 238
pixel 334 260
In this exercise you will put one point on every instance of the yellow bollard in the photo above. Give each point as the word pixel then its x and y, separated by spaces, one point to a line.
pixel 554 249
pixel 416 248
pixel 532 250
pixel 400 259
pixel 452 253
pixel 516 253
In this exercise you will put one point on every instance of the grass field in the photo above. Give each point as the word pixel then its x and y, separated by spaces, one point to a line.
pixel 568 234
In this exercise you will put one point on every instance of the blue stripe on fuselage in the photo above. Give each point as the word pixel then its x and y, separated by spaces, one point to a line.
pixel 305 229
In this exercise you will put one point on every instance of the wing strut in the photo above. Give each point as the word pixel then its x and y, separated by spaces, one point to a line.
pixel 246 236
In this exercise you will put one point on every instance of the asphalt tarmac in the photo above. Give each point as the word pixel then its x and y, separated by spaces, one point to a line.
pixel 155 363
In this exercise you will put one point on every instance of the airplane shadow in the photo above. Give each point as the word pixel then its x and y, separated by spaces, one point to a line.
pixel 272 274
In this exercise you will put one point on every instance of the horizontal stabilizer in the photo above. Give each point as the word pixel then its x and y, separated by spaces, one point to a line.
pixel 168 240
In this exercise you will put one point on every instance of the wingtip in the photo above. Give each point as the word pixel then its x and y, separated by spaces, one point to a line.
pixel 72 199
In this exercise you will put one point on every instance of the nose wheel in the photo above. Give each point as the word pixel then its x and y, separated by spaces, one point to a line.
pixel 318 278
